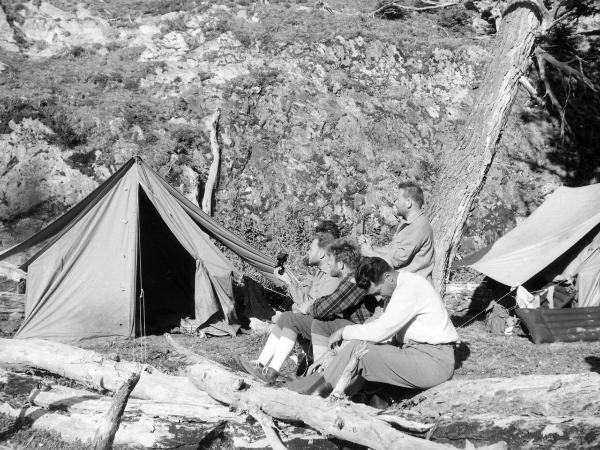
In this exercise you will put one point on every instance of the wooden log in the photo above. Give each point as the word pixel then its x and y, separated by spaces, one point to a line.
pixel 144 424
pixel 105 435
pixel 349 422
pixel 92 369
pixel 76 427
pixel 541 395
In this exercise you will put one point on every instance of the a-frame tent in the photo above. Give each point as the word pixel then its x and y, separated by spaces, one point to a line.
pixel 134 254
pixel 561 238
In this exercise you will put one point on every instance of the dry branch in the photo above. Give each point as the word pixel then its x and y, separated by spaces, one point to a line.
pixel 349 371
pixel 213 172
pixel 395 5
pixel 524 81
pixel 268 427
pixel 105 435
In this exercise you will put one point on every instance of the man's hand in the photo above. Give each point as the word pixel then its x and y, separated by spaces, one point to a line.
pixel 302 308
pixel 364 239
pixel 335 338
pixel 283 277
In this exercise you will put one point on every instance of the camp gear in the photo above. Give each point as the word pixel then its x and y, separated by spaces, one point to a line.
pixel 281 260
pixel 561 325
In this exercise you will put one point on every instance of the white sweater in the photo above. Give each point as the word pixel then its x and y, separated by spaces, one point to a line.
pixel 415 312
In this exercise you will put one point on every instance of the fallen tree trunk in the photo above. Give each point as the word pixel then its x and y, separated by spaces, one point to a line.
pixel 551 410
pixel 145 423
pixel 343 420
pixel 92 369
pixel 144 432
pixel 540 395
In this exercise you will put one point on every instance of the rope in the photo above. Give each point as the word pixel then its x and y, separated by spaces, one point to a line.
pixel 486 309
pixel 142 298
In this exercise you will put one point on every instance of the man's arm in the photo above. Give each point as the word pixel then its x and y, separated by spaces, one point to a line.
pixel 398 313
pixel 401 250
pixel 299 292
pixel 346 296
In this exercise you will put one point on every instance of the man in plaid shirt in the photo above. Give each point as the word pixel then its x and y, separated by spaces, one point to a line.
pixel 347 305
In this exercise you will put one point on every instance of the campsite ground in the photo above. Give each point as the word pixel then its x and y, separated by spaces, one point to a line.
pixel 481 355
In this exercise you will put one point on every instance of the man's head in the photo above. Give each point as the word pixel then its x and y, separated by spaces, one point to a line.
pixel 376 276
pixel 328 226
pixel 410 198
pixel 317 252
pixel 326 231
pixel 344 257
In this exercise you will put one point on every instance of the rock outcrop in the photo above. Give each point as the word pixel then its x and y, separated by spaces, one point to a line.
pixel 320 121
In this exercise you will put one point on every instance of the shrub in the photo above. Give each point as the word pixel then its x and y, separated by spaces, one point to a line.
pixel 454 18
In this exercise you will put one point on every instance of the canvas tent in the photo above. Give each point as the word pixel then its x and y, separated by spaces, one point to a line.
pixel 561 238
pixel 134 254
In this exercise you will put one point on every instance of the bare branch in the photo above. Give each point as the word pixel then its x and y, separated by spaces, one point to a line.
pixel 547 86
pixel 524 81
pixel 266 423
pixel 394 5
pixel 564 67
pixel 348 373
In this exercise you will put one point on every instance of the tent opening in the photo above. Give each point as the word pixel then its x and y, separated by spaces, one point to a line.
pixel 166 273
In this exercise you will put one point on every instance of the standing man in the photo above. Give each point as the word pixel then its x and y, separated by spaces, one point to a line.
pixel 411 248
pixel 410 345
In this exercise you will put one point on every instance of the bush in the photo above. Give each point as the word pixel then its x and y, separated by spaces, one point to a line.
pixel 454 19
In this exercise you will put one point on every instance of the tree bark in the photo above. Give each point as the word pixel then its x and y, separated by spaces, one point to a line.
pixel 546 395
pixel 551 410
pixel 105 435
pixel 463 170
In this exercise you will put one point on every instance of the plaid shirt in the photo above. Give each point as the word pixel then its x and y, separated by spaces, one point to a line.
pixel 348 301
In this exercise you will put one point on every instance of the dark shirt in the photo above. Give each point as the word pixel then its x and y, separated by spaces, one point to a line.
pixel 348 301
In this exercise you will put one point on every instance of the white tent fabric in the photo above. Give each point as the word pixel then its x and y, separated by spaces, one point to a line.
pixel 560 223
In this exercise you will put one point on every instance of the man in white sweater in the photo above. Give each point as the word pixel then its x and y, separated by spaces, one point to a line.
pixel 410 345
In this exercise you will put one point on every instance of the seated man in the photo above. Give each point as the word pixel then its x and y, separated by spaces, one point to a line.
pixel 410 345
pixel 411 248
pixel 346 301
pixel 321 283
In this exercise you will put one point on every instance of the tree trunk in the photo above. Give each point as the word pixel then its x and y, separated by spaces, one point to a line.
pixel 463 170
pixel 105 435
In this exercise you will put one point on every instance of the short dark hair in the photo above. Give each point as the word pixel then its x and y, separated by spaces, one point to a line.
pixel 346 251
pixel 413 191
pixel 371 270
pixel 328 226
pixel 324 239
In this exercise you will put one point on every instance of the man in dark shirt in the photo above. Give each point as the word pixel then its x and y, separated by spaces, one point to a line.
pixel 346 300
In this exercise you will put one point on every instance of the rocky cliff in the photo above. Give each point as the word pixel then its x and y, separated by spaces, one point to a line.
pixel 324 108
